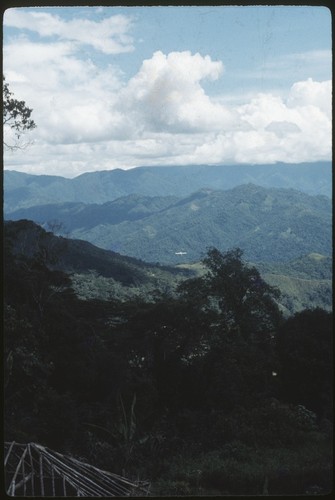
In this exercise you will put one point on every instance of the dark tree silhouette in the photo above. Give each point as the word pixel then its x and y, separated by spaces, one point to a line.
pixel 16 115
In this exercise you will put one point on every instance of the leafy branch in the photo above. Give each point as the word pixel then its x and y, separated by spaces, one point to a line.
pixel 17 116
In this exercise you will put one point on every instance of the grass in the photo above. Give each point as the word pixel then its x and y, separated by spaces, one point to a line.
pixel 238 469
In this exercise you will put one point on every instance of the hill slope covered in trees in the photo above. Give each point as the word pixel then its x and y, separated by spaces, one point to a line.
pixel 102 274
pixel 269 224
pixel 95 273
pixel 25 190
pixel 206 392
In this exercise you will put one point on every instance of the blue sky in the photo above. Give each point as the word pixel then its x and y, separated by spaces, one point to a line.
pixel 124 87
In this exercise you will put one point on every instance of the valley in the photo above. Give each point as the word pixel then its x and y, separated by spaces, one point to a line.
pixel 167 251
pixel 269 224
pixel 101 274
pixel 166 333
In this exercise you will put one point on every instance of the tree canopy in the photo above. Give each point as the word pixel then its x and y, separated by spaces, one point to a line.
pixel 243 300
pixel 16 115
pixel 198 392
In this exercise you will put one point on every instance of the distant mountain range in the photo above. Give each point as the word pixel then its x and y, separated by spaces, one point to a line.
pixel 269 224
pixel 24 190
pixel 101 274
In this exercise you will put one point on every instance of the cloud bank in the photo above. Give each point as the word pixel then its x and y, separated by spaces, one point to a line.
pixel 110 35
pixel 88 118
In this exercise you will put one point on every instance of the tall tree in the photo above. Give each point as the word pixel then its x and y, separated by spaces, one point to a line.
pixel 240 316
pixel 236 291
pixel 16 116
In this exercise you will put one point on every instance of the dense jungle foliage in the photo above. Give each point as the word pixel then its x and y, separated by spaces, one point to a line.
pixel 270 224
pixel 211 391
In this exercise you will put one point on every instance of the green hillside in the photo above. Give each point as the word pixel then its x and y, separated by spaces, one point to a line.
pixel 94 272
pixel 269 224
pixel 298 294
pixel 304 283
pixel 101 274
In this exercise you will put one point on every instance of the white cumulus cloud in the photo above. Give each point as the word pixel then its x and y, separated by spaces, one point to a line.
pixel 167 94
pixel 73 100
pixel 318 94
pixel 89 118
pixel 109 35
pixel 291 130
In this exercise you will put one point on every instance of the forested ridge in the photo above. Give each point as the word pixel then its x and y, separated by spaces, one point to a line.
pixel 208 390
pixel 26 190
pixel 269 224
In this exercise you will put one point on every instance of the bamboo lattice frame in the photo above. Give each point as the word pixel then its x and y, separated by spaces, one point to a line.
pixel 34 470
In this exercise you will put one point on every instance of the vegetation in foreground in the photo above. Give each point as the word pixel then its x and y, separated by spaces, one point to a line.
pixel 209 392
